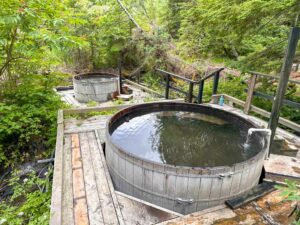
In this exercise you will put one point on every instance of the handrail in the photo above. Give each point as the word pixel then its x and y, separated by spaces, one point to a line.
pixel 273 77
pixel 211 74
pixel 177 76
pixel 232 100
pixel 215 74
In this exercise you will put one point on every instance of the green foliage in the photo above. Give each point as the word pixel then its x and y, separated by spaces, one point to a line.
pixel 251 33
pixel 291 192
pixel 92 104
pixel 269 87
pixel 31 33
pixel 28 120
pixel 118 102
pixel 150 99
pixel 30 201
pixel 94 113
pixel 153 81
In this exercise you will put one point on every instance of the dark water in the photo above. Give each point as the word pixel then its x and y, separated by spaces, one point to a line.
pixel 183 139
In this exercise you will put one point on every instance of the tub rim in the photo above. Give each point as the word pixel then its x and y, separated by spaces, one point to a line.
pixel 83 76
pixel 146 163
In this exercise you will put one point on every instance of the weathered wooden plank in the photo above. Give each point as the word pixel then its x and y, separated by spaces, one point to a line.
pixel 265 215
pixel 203 217
pixel 282 166
pixel 92 196
pixel 170 188
pixel 216 187
pixel 56 198
pixel 109 181
pixel 244 179
pixel 159 180
pixel 283 81
pixel 250 93
pixel 106 108
pixel 264 113
pixel 107 204
pixel 80 212
pixel 78 183
pixel 129 175
pixel 276 77
pixel 139 86
pixel 148 183
pixel 193 188
pixel 204 193
pixel 137 211
pixel 181 191
pixel 76 158
pixel 76 155
pixel 75 141
pixel 94 109
pixel 271 98
pixel 251 195
pixel 67 197
pixel 236 181
pixel 75 126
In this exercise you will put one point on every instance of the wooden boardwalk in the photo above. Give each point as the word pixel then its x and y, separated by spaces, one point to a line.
pixel 83 192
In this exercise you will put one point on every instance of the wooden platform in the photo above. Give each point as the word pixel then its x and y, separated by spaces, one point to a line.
pixel 83 192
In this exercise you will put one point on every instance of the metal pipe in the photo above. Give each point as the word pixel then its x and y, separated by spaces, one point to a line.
pixel 266 134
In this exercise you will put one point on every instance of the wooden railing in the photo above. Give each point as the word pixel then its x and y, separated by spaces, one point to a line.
pixel 251 92
pixel 246 105
pixel 234 101
pixel 192 83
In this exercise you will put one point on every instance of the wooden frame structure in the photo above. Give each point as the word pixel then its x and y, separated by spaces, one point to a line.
pixel 192 83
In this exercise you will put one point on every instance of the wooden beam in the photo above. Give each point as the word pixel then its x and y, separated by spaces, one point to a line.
pixel 190 95
pixel 271 98
pixel 175 75
pixel 108 108
pixel 251 195
pixel 264 214
pixel 56 198
pixel 250 93
pixel 273 77
pixel 264 113
pixel 216 83
pixel 167 87
pixel 120 75
pixel 284 78
pixel 200 91
pixel 144 88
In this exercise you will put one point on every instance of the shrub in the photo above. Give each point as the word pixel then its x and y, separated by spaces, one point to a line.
pixel 28 120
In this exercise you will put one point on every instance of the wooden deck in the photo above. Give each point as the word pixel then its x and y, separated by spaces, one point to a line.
pixel 83 192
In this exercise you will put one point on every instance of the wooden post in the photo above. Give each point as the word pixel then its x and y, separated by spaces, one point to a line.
pixel 250 93
pixel 167 87
pixel 120 75
pixel 284 77
pixel 190 97
pixel 216 83
pixel 200 92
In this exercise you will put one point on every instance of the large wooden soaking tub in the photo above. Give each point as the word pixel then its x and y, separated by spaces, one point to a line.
pixel 99 87
pixel 183 157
